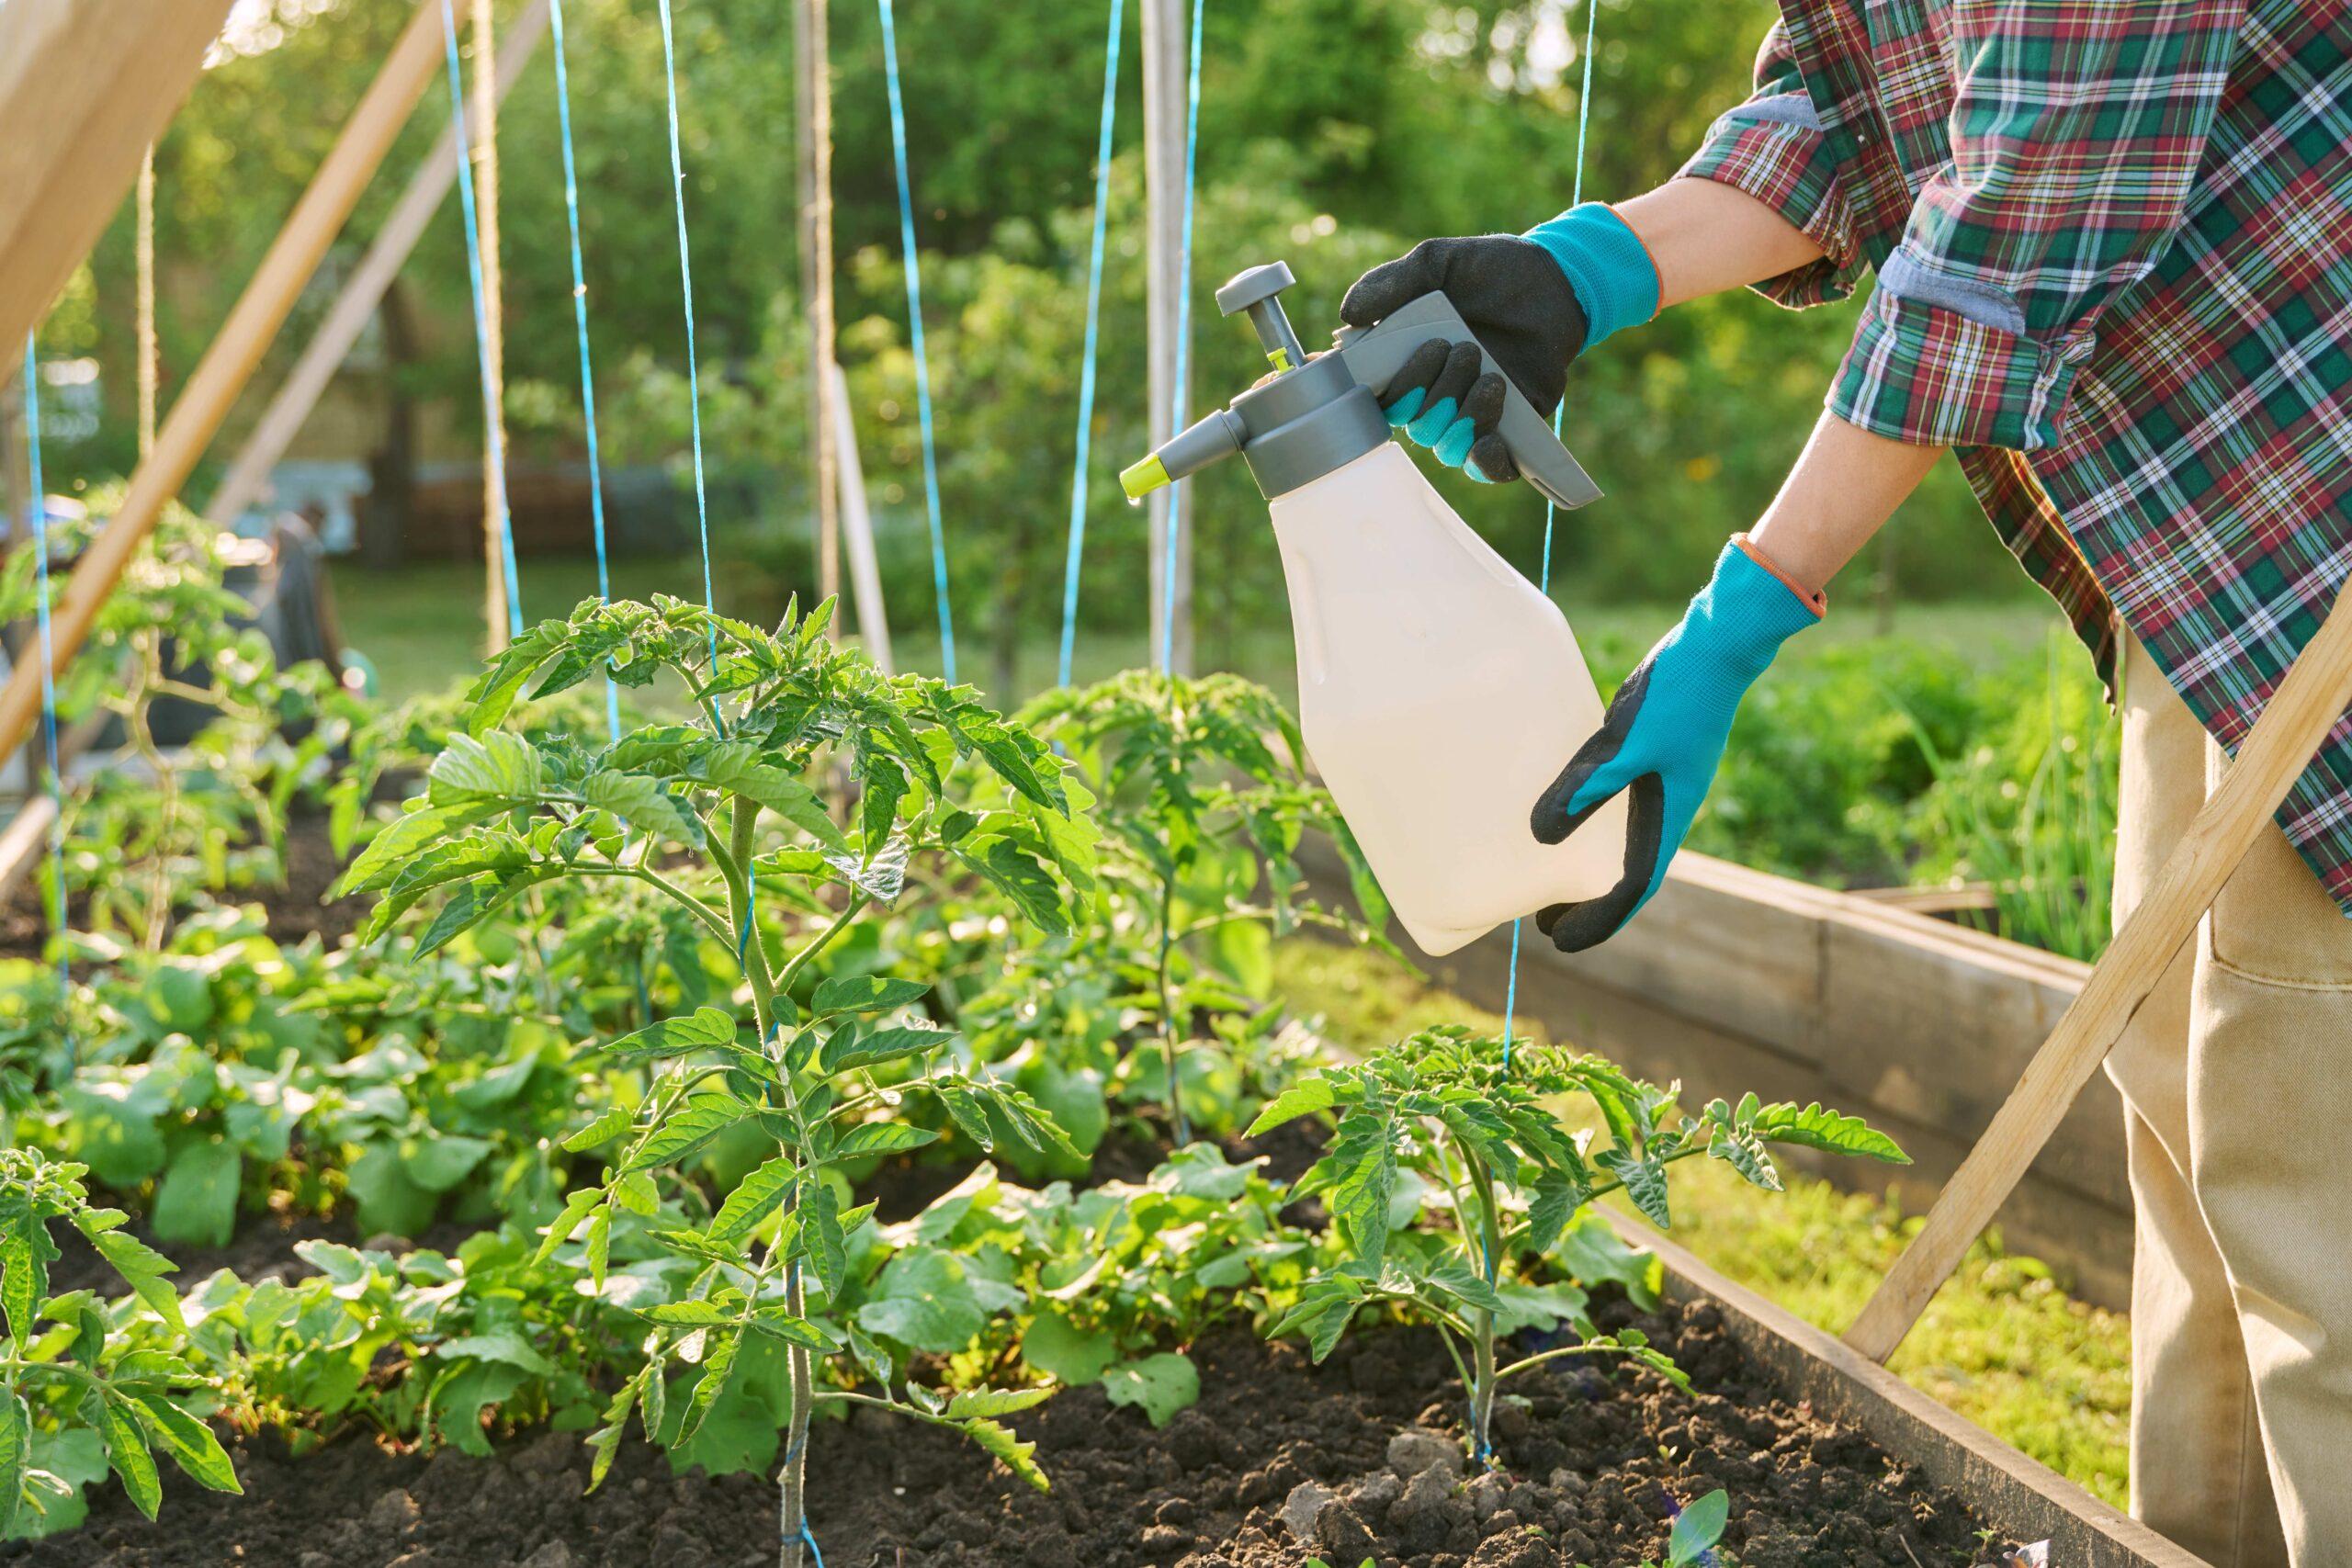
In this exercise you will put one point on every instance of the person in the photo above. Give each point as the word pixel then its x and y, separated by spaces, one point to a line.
pixel 2111 255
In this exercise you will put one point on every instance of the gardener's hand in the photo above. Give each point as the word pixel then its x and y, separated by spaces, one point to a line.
pixel 1534 302
pixel 1664 733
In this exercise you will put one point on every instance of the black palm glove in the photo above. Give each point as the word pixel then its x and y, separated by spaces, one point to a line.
pixel 1517 299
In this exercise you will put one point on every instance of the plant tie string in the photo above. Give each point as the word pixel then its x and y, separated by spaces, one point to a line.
pixel 1086 366
pixel 686 291
pixel 912 266
pixel 1551 512
pixel 1184 346
pixel 39 512
pixel 579 326
pixel 494 453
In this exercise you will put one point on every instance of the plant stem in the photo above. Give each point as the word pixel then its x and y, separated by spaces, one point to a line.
pixel 1168 1011
pixel 850 911
pixel 1482 1338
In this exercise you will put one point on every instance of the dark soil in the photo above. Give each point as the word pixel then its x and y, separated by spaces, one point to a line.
pixel 1594 1464
pixel 294 912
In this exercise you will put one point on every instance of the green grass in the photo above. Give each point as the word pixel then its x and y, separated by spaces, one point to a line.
pixel 2001 1343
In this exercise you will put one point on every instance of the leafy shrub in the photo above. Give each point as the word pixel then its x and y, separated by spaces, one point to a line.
pixel 1452 1130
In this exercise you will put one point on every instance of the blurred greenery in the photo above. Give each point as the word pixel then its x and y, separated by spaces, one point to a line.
pixel 1333 134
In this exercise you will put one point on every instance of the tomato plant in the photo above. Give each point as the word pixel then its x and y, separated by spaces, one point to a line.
pixel 722 817
pixel 1479 1132
pixel 75 1390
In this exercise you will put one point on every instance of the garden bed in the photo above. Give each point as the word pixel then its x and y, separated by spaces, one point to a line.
pixel 1597 1467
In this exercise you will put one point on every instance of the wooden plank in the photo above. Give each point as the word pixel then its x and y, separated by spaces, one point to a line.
pixel 84 90
pixel 813 145
pixel 857 531
pixel 229 363
pixel 2026 1499
pixel 2309 702
pixel 363 292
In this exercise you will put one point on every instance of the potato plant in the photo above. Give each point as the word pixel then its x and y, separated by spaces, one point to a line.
pixel 73 1391
pixel 1480 1132
pixel 687 809
pixel 1205 799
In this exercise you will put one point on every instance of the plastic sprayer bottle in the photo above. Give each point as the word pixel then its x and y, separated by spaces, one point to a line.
pixel 1439 690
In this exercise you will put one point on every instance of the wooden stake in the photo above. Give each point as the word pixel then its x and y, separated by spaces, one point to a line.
pixel 149 365
pixel 1167 55
pixel 858 533
pixel 2300 713
pixel 482 122
pixel 363 292
pixel 813 99
pixel 84 91
pixel 229 362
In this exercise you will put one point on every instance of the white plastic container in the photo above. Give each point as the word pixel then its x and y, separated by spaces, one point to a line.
pixel 1440 694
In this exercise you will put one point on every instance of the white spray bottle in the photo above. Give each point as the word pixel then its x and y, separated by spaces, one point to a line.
pixel 1439 692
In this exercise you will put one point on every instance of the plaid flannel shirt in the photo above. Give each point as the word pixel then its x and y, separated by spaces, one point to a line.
pixel 2112 241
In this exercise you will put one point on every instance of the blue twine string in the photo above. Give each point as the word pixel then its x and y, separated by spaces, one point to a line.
pixel 1086 371
pixel 493 447
pixel 1183 345
pixel 579 325
pixel 686 289
pixel 1551 512
pixel 48 664
pixel 914 267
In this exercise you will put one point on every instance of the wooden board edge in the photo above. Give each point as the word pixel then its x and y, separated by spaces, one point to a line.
pixel 2017 1494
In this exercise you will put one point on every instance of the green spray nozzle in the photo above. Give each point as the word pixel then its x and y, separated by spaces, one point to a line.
pixel 1141 479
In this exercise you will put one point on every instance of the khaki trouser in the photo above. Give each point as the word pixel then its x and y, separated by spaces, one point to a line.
pixel 2237 1088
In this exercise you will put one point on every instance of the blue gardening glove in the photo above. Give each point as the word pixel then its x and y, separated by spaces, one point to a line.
pixel 1535 302
pixel 1664 733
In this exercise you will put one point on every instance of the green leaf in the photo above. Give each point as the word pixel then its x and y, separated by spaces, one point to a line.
pixel 24 1254
pixel 736 765
pixel 704 1029
pixel 143 1269
pixel 1326 1307
pixel 1019 875
pixel 506 1345
pixel 1017 1455
pixel 189 1441
pixel 1366 1179
pixel 885 787
pixel 438 1163
pixel 690 1314
pixel 503 678
pixel 881 1138
pixel 1645 1180
pixel 1743 1151
pixel 717 1365
pixel 863 993
pixel 604 1442
pixel 924 1301
pixel 755 1197
pixel 127 1453
pixel 611 1124
pixel 703 1117
pixel 849 1047
pixel 15 1457
pixel 1303 1098
pixel 495 769
pixel 793 1329
pixel 986 1402
pixel 577 1206
pixel 1159 1385
pixel 644 805
pixel 821 1218
pixel 1697 1528
pixel 197 1203
pixel 1070 1354
pixel 1814 1128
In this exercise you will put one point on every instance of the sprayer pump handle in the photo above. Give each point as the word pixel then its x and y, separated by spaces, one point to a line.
pixel 1375 354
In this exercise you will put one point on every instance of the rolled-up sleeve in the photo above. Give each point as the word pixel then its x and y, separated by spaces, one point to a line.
pixel 1772 148
pixel 2076 132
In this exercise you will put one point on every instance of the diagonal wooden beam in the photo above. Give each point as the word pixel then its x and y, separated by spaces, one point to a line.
pixel 362 293
pixel 2300 714
pixel 84 90
pixel 228 364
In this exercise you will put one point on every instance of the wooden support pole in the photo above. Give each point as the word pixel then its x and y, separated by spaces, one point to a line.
pixel 229 362
pixel 482 125
pixel 1167 56
pixel 151 366
pixel 813 100
pixel 363 292
pixel 84 89
pixel 858 533
pixel 2305 708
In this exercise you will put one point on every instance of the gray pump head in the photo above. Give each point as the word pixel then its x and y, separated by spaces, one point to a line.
pixel 1316 415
